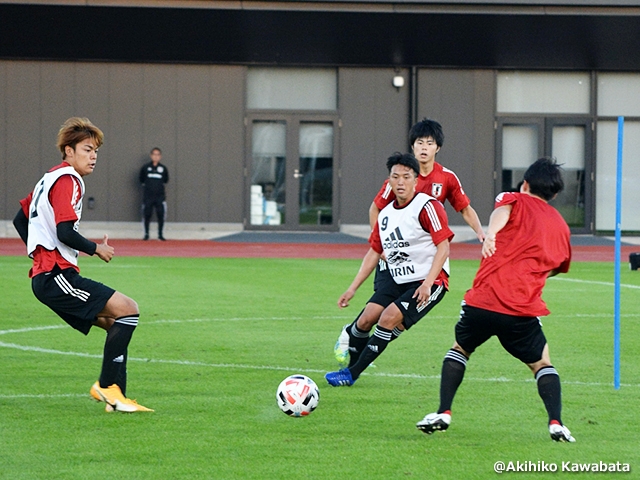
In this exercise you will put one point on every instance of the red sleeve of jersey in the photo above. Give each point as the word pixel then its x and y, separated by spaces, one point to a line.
pixel 374 239
pixel 506 198
pixel 24 204
pixel 433 219
pixel 385 196
pixel 455 194
pixel 64 195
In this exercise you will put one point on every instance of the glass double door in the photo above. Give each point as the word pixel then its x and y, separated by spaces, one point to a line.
pixel 291 172
pixel 521 141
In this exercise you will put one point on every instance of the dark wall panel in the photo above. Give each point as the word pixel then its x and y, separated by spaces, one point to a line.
pixel 90 98
pixel 125 139
pixel 56 104
pixel 375 123
pixel 160 127
pixel 192 171
pixel 193 113
pixel 226 180
pixel 463 103
pixel 513 39
pixel 24 137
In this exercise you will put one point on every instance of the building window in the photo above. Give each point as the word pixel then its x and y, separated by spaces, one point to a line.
pixel 292 88
pixel 543 92
pixel 606 154
pixel 618 94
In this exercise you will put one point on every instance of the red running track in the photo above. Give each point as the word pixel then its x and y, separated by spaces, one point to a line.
pixel 207 248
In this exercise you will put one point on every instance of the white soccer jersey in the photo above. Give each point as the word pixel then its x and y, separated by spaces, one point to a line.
pixel 408 248
pixel 42 222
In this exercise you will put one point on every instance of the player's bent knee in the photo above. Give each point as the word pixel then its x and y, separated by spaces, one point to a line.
pixel 366 323
pixel 458 348
pixel 120 305
pixel 391 318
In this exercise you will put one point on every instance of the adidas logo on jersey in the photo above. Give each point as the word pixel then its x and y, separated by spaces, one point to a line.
pixel 395 240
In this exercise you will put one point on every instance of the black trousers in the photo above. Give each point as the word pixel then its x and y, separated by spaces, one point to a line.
pixel 148 207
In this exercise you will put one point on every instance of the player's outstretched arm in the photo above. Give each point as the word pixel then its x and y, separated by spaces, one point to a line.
pixel 373 215
pixel 368 265
pixel 497 221
pixel 69 236
pixel 471 217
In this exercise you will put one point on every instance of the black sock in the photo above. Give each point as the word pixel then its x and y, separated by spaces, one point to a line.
pixel 376 345
pixel 357 341
pixel 395 333
pixel 114 360
pixel 453 367
pixel 121 378
pixel 549 390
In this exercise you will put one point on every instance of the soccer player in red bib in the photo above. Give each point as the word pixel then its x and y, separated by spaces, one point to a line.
pixel 413 233
pixel 48 223
pixel 426 139
pixel 527 241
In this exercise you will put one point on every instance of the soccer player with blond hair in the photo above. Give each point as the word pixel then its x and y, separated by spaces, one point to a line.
pixel 48 224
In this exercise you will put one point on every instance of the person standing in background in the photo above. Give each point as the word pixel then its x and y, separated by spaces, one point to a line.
pixel 153 176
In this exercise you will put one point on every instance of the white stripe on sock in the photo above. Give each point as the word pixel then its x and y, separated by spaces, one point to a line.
pixel 132 321
pixel 382 335
pixel 456 357
pixel 545 371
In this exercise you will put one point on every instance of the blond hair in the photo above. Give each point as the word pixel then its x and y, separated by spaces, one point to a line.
pixel 75 130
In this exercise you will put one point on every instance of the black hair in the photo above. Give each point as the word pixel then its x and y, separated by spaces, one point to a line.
pixel 426 128
pixel 544 177
pixel 405 159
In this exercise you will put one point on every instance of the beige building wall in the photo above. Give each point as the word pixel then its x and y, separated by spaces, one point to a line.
pixel 463 101
pixel 194 113
pixel 375 123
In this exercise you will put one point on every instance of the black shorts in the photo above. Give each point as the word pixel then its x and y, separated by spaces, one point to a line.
pixel 402 295
pixel 382 276
pixel 75 299
pixel 522 337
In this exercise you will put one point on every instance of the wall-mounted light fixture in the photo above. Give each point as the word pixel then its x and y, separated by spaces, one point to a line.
pixel 398 81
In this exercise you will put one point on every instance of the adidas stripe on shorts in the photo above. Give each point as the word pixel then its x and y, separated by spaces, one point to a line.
pixel 402 295
pixel 75 299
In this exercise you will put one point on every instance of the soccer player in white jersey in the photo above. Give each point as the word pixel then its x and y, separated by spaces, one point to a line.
pixel 414 234
pixel 426 138
pixel 48 223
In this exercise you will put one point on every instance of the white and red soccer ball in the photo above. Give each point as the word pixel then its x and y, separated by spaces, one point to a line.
pixel 297 395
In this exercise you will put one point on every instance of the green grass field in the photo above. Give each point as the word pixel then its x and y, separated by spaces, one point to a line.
pixel 217 336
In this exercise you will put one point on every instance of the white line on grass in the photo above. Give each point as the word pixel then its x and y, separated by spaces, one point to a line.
pixel 54 395
pixel 284 369
pixel 31 329
pixel 243 319
pixel 593 282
